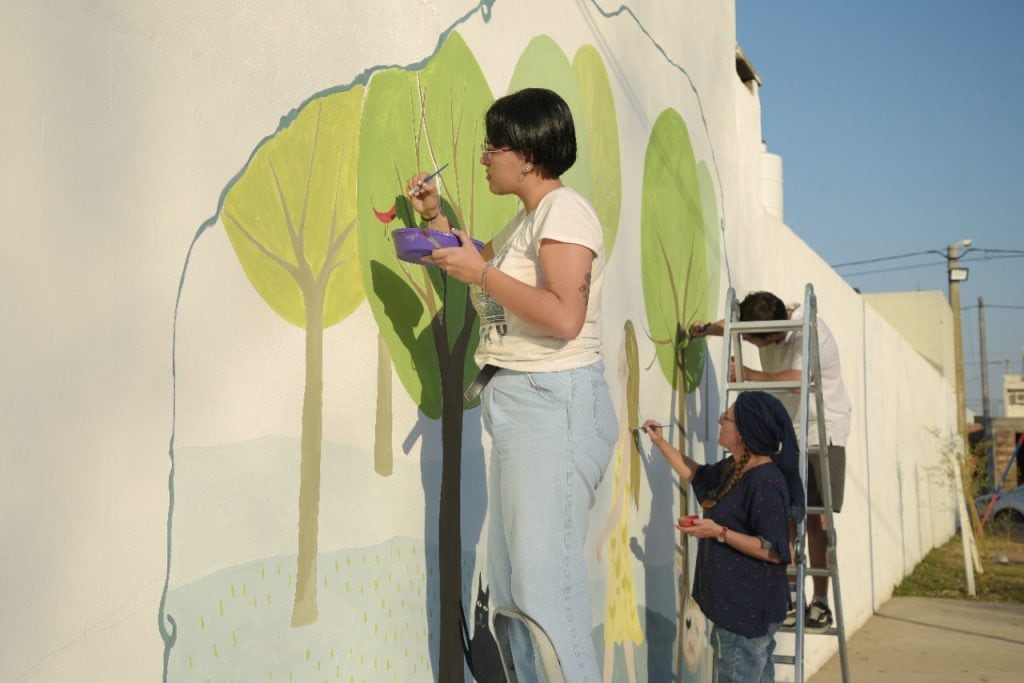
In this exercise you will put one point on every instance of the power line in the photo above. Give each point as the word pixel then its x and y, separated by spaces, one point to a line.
pixel 991 362
pixel 889 270
pixel 914 267
pixel 993 258
pixel 1000 253
pixel 888 258
pixel 1015 308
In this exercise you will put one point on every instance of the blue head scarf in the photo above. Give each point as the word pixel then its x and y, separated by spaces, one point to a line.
pixel 766 428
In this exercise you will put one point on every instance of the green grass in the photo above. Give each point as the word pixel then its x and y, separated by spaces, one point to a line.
pixel 941 573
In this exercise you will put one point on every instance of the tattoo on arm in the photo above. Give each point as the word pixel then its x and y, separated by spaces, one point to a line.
pixel 585 288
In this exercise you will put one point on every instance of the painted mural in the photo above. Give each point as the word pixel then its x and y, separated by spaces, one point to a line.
pixel 348 551
pixel 621 627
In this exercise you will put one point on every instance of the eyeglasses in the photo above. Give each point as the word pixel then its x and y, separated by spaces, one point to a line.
pixel 486 149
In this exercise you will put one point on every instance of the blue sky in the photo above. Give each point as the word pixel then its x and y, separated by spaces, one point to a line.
pixel 901 127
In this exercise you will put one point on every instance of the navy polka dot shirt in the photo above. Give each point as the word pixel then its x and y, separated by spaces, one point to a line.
pixel 736 591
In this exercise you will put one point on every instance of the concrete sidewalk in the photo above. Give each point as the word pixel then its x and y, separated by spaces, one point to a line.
pixel 934 640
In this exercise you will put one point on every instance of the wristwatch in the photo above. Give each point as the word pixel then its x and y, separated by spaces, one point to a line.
pixel 721 537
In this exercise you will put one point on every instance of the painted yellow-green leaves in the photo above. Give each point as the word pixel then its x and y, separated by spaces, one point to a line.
pixel 679 265
pixel 598 124
pixel 291 214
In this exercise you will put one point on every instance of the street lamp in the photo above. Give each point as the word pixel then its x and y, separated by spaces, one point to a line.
pixel 958 274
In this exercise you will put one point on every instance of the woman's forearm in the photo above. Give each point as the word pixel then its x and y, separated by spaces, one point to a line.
pixel 683 466
pixel 751 545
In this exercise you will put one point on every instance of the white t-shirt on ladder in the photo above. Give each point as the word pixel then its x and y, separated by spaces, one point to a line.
pixel 787 355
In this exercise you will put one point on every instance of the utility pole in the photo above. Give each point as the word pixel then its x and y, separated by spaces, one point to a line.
pixel 956 276
pixel 986 413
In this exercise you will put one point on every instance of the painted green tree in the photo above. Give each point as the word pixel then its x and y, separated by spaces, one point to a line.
pixel 290 218
pixel 412 120
pixel 712 246
pixel 679 251
pixel 544 65
pixel 679 274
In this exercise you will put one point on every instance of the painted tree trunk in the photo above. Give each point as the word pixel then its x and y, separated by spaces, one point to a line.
pixel 383 453
pixel 684 540
pixel 304 609
pixel 449 526
pixel 449 532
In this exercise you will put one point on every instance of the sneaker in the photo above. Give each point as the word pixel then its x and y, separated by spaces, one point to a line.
pixel 790 620
pixel 818 617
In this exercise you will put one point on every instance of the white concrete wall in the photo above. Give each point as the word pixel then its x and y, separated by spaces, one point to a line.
pixel 926 320
pixel 123 123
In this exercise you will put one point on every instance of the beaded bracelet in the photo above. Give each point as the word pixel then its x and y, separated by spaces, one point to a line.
pixel 483 278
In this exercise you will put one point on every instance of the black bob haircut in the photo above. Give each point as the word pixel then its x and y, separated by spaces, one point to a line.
pixel 760 307
pixel 537 123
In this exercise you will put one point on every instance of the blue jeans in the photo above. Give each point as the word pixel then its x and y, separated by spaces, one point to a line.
pixel 739 659
pixel 552 436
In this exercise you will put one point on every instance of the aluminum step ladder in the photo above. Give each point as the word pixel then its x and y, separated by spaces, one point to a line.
pixel 544 649
pixel 809 390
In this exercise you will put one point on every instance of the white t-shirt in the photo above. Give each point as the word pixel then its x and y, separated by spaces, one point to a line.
pixel 505 340
pixel 787 355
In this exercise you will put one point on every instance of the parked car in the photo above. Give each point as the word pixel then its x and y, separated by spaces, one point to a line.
pixel 1009 505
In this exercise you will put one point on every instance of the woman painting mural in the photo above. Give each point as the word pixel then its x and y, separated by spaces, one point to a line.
pixel 740 579
pixel 537 290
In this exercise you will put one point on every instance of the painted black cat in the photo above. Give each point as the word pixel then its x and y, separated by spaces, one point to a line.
pixel 480 648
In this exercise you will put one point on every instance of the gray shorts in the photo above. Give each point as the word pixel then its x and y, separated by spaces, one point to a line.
pixel 836 472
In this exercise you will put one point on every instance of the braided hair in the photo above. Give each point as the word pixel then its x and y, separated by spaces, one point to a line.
pixel 734 472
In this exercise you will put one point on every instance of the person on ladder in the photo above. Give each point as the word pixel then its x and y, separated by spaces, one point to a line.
pixel 781 360
pixel 546 406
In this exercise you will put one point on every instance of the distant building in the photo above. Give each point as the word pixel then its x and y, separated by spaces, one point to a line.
pixel 1013 395
pixel 1007 431
pixel 925 320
